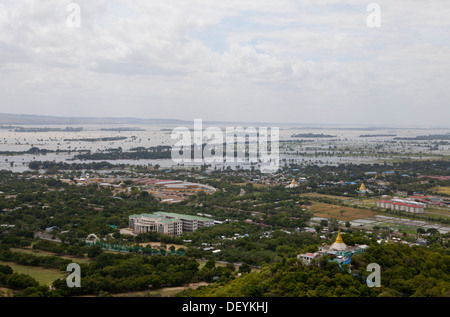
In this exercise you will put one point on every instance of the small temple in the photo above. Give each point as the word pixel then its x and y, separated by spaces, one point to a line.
pixel 338 252
pixel 363 189
pixel 293 184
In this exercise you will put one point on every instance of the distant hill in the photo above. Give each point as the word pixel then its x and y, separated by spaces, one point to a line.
pixel 30 119
pixel 8 120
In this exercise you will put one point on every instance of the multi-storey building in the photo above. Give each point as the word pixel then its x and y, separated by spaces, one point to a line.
pixel 190 223
pixel 153 223
pixel 167 223
pixel 413 207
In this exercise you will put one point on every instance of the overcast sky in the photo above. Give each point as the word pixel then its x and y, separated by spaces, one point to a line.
pixel 311 61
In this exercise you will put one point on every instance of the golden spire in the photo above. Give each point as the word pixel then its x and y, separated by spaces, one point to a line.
pixel 363 187
pixel 339 238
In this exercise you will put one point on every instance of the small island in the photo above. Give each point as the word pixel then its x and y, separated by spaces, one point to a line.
pixel 312 135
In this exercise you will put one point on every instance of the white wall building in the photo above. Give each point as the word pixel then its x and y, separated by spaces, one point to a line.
pixel 167 223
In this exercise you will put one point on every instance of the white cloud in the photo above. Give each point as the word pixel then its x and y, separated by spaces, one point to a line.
pixel 309 61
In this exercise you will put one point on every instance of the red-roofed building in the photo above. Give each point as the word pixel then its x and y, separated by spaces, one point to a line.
pixel 418 197
pixel 414 208
pixel 442 178
pixel 308 257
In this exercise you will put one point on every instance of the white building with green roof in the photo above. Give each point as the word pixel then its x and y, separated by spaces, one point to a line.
pixel 167 223
pixel 155 223
pixel 190 223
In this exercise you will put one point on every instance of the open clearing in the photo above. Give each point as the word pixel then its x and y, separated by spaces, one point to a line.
pixel 334 211
pixel 46 253
pixel 325 196
pixel 223 264
pixel 402 224
pixel 367 202
pixel 256 185
pixel 42 275
pixel 439 211
pixel 156 245
pixel 442 189
pixel 161 292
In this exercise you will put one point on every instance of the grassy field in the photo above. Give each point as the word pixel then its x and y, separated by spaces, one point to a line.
pixel 42 275
pixel 437 212
pixel 325 196
pixel 256 185
pixel 409 230
pixel 368 202
pixel 46 253
pixel 161 292
pixel 334 211
pixel 442 189
pixel 157 244
pixel 203 262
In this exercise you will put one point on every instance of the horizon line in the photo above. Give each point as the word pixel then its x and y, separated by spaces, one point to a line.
pixel 309 124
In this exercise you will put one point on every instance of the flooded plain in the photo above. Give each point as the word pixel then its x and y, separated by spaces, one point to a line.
pixel 299 145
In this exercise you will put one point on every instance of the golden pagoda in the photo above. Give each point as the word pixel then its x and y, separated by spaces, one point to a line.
pixel 339 238
pixel 292 184
pixel 339 243
pixel 362 188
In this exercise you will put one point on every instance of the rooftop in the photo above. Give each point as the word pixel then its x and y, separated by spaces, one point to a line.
pixel 181 216
pixel 400 204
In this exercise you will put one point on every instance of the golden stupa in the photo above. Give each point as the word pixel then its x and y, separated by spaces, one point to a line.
pixel 362 188
pixel 292 184
pixel 339 238
pixel 339 243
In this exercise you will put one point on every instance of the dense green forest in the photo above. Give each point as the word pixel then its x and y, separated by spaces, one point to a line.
pixel 405 271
